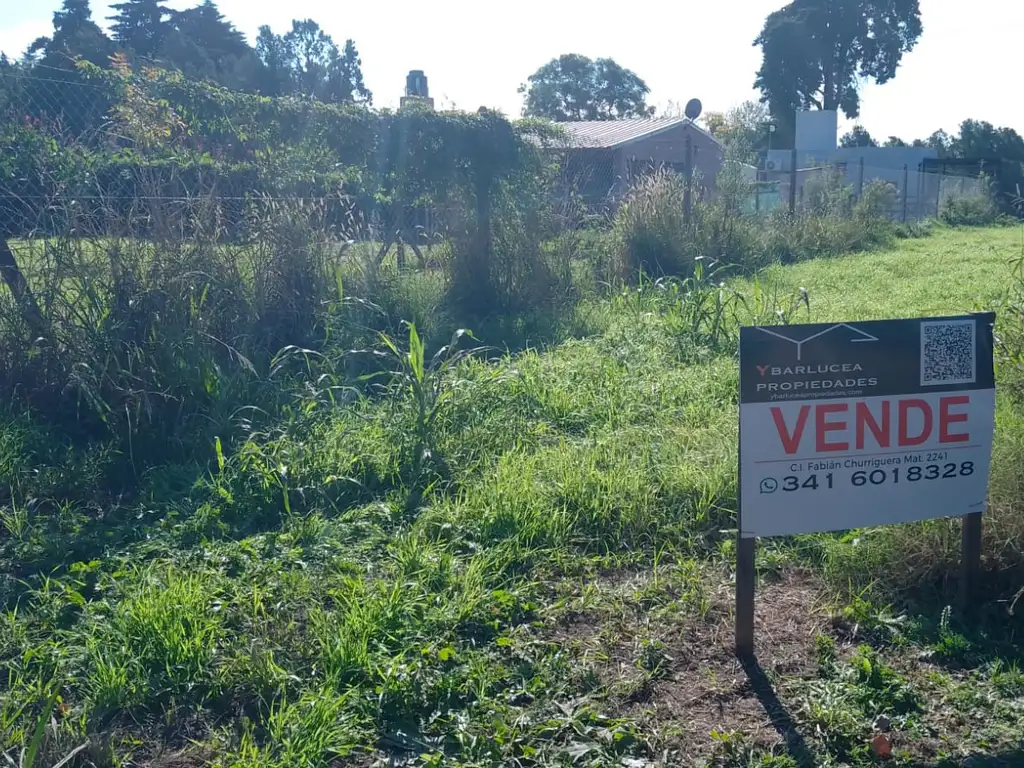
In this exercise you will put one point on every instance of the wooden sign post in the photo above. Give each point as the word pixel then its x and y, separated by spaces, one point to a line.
pixel 857 425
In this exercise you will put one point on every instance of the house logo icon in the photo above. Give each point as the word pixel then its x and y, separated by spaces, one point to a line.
pixel 859 336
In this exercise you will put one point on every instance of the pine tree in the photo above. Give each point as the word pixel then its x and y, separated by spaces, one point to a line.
pixel 203 44
pixel 306 60
pixel 276 75
pixel 138 25
pixel 348 75
pixel 76 35
pixel 66 97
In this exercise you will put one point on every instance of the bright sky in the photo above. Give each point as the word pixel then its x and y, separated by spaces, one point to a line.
pixel 967 63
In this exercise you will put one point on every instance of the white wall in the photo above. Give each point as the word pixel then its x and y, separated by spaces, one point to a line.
pixel 890 158
pixel 817 130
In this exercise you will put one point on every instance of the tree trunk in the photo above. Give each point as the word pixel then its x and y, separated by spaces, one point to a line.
pixel 18 285
pixel 829 96
pixel 828 99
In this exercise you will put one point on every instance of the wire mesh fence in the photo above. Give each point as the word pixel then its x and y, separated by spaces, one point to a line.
pixel 72 156
pixel 909 195
pixel 47 112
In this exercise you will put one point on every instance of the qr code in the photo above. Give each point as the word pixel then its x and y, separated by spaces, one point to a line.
pixel 947 352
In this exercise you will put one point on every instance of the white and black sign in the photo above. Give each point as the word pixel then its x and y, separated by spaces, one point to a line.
pixel 859 424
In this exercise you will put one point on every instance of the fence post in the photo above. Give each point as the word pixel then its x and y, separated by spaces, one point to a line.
pixel 860 179
pixel 921 190
pixel 792 183
pixel 906 188
pixel 757 197
pixel 14 278
pixel 688 191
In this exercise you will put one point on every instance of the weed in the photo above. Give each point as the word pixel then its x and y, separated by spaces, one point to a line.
pixel 315 729
pixel 970 210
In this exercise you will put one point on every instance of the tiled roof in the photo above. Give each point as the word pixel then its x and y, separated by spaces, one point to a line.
pixel 608 134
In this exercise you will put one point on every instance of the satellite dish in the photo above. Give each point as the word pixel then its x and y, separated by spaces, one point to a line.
pixel 693 108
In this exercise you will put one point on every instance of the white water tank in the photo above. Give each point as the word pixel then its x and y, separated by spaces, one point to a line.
pixel 817 131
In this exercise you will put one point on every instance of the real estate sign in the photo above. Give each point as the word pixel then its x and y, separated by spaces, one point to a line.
pixel 860 424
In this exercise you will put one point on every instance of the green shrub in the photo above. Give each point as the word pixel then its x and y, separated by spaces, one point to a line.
pixel 650 228
pixel 156 343
pixel 977 210
pixel 518 266
pixel 828 194
pixel 877 201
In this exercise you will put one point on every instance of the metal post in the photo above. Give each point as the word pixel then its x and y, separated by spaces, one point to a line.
pixel 746 576
pixel 920 190
pixel 792 183
pixel 906 189
pixel 757 197
pixel 745 586
pixel 970 560
pixel 688 192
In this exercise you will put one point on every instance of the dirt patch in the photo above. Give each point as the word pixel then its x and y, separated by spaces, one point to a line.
pixel 710 690
pixel 692 684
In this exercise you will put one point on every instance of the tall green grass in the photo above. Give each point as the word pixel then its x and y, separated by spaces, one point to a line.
pixel 257 504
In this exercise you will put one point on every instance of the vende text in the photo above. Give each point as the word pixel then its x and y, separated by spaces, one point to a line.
pixel 901 423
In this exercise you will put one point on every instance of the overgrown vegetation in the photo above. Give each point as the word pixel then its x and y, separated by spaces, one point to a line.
pixel 977 210
pixel 260 507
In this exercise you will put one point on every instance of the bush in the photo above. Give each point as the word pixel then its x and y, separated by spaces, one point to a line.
pixel 650 228
pixel 977 210
pixel 877 201
pixel 156 343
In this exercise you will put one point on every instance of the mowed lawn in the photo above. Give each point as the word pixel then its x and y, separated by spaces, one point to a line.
pixel 951 272
pixel 558 594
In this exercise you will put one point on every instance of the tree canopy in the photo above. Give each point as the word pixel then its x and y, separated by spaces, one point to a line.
pixel 138 25
pixel 197 41
pixel 574 87
pixel 857 137
pixel 204 45
pixel 306 60
pixel 744 129
pixel 75 35
pixel 817 52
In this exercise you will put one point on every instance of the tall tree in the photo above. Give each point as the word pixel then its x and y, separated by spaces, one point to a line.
pixel 858 137
pixel 981 140
pixel 63 98
pixel 138 26
pixel 306 60
pixel 276 77
pixel 75 35
pixel 574 87
pixel 347 76
pixel 817 52
pixel 203 44
pixel 940 141
pixel 895 141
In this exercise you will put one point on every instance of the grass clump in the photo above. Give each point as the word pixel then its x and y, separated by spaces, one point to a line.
pixel 978 209
pixel 157 643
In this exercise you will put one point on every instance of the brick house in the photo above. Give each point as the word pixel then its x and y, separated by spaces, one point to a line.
pixel 603 155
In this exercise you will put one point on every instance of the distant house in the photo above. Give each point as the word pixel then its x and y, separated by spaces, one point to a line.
pixel 604 155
